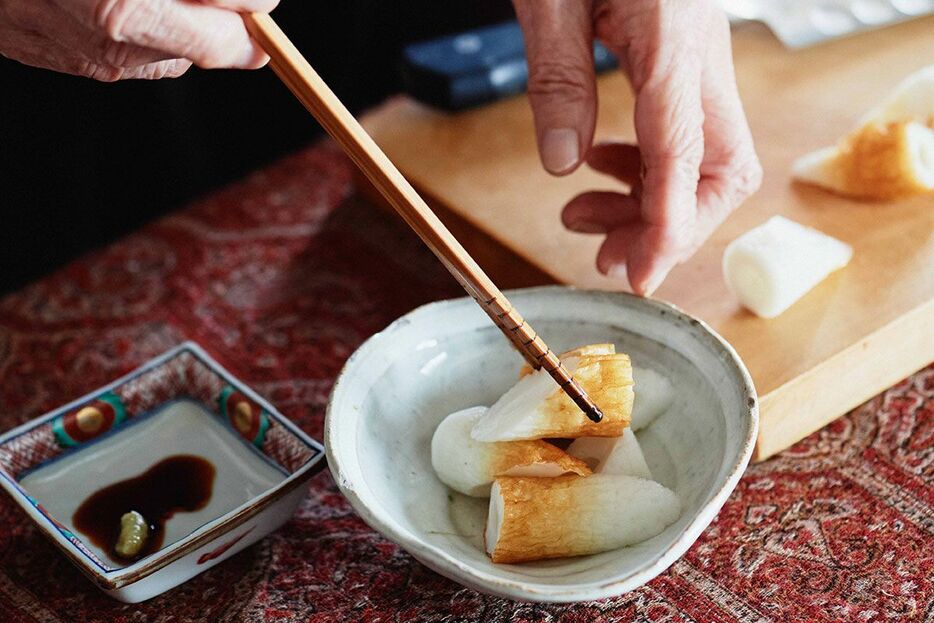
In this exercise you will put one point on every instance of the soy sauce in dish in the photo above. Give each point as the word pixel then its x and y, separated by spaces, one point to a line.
pixel 179 483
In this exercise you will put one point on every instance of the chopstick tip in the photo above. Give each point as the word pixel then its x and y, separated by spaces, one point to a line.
pixel 594 413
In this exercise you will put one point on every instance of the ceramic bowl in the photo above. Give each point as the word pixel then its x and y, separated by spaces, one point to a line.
pixel 447 356
pixel 181 403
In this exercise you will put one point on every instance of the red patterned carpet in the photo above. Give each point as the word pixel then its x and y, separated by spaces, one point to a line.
pixel 281 277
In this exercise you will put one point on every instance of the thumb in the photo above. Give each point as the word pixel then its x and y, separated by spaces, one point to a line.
pixel 562 90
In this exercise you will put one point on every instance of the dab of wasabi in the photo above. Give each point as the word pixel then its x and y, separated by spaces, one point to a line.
pixel 133 534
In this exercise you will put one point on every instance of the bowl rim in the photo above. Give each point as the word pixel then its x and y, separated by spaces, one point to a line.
pixel 209 531
pixel 444 563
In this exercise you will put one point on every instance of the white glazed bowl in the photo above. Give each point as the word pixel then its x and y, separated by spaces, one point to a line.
pixel 446 356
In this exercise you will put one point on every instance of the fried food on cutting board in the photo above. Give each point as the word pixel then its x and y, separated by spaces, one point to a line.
pixel 889 155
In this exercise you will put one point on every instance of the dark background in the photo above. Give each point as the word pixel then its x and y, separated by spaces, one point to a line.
pixel 82 163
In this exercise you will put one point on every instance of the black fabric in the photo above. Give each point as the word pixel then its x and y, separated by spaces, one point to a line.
pixel 82 163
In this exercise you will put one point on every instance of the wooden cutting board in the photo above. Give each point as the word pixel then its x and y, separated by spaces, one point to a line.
pixel 862 330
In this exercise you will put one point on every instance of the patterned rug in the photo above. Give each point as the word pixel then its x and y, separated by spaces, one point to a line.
pixel 281 277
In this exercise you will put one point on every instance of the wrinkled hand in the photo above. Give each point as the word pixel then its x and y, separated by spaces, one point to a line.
pixel 695 161
pixel 116 39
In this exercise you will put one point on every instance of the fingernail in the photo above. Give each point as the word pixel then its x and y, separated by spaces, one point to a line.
pixel 586 227
pixel 560 150
pixel 618 272
pixel 252 57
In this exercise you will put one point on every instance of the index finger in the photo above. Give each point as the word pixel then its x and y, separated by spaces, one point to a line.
pixel 245 6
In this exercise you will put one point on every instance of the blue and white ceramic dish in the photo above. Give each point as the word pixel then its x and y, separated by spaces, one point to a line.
pixel 182 402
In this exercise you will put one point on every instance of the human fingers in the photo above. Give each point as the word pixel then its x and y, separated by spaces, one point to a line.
pixel 37 50
pixel 244 6
pixel 613 256
pixel 47 19
pixel 598 212
pixel 207 35
pixel 561 87
pixel 617 159
pixel 171 68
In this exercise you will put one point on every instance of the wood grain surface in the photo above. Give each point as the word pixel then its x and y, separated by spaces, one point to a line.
pixel 857 333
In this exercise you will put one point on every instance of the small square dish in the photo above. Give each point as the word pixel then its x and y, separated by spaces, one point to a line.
pixel 210 466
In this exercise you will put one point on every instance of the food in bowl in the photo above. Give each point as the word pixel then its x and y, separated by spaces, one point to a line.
pixel 470 466
pixel 551 497
pixel 612 455
pixel 536 408
pixel 539 518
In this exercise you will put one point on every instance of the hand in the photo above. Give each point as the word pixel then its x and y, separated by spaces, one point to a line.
pixel 117 39
pixel 695 161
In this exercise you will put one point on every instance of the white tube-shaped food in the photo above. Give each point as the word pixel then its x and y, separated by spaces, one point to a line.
pixel 913 98
pixel 653 392
pixel 580 351
pixel 770 267
pixel 653 396
pixel 470 466
pixel 612 455
pixel 538 518
pixel 536 408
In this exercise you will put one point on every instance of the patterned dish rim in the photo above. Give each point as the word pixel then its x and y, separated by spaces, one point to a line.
pixel 443 562
pixel 110 578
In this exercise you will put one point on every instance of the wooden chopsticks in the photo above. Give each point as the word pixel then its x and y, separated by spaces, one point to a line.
pixel 317 97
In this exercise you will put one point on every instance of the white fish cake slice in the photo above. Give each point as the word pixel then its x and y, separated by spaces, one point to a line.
pixel 538 518
pixel 913 98
pixel 771 266
pixel 580 351
pixel 470 466
pixel 536 408
pixel 653 396
pixel 653 391
pixel 612 455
